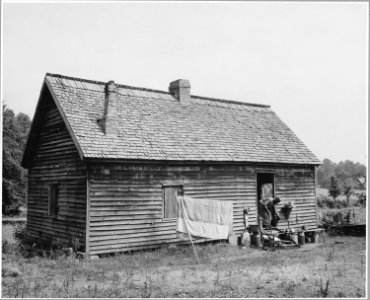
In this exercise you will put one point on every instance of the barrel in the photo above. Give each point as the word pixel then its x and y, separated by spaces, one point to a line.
pixel 256 240
pixel 307 238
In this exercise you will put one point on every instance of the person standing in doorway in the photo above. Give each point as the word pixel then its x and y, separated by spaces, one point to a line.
pixel 267 212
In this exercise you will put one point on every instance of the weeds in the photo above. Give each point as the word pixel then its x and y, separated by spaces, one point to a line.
pixel 289 288
pixel 359 293
pixel 340 295
pixel 10 272
pixel 37 289
pixel 229 283
pixel 324 292
pixel 217 281
pixel 147 290
pixel 164 278
pixel 331 254
pixel 160 273
pixel 204 279
pixel 71 269
pixel 92 291
pixel 130 272
pixel 16 289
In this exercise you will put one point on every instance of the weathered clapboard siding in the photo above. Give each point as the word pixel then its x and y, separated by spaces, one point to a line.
pixel 126 201
pixel 55 160
pixel 298 184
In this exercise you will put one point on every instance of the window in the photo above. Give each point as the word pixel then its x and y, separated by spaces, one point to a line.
pixel 265 185
pixel 52 200
pixel 169 193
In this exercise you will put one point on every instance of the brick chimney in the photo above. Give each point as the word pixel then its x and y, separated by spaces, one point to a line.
pixel 110 118
pixel 180 89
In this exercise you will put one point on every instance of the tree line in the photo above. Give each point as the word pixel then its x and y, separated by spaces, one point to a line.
pixel 342 178
pixel 15 132
pixel 346 174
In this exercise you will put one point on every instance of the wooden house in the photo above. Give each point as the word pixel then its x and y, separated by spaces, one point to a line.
pixel 106 161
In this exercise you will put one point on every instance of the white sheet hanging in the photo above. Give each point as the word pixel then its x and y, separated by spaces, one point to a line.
pixel 205 218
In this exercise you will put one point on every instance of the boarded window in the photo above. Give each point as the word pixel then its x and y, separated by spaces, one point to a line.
pixel 170 210
pixel 52 200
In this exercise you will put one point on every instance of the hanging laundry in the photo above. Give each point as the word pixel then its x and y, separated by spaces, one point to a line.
pixel 205 218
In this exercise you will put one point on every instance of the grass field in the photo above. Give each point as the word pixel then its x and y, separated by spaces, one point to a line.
pixel 224 271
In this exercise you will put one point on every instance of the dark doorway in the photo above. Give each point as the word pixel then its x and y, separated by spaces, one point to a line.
pixel 265 190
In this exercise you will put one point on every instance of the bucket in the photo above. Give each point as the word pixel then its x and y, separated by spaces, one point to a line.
pixel 294 237
pixel 245 238
pixel 315 237
pixel 233 240
pixel 256 240
pixel 301 238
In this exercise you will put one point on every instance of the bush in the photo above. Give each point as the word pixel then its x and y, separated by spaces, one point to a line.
pixel 12 210
pixel 5 247
pixel 321 201
pixel 18 249
pixel 10 272
pixel 19 231
pixel 327 202
pixel 361 200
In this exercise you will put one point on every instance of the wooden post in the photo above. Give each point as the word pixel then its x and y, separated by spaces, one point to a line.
pixel 187 230
pixel 191 241
pixel 261 232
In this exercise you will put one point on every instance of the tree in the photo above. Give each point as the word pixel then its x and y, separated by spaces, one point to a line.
pixel 15 131
pixel 23 124
pixel 348 190
pixel 325 171
pixel 334 189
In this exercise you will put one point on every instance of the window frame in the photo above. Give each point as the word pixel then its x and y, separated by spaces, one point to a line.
pixel 180 191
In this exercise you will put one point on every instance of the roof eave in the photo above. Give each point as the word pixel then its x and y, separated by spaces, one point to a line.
pixel 154 161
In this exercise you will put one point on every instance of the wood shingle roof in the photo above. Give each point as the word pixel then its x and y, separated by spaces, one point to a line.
pixel 153 125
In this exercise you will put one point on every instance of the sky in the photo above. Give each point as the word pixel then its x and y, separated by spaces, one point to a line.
pixel 308 60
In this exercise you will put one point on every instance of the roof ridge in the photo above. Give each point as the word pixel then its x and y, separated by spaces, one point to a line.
pixel 230 101
pixel 159 91
pixel 103 83
pixel 74 78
